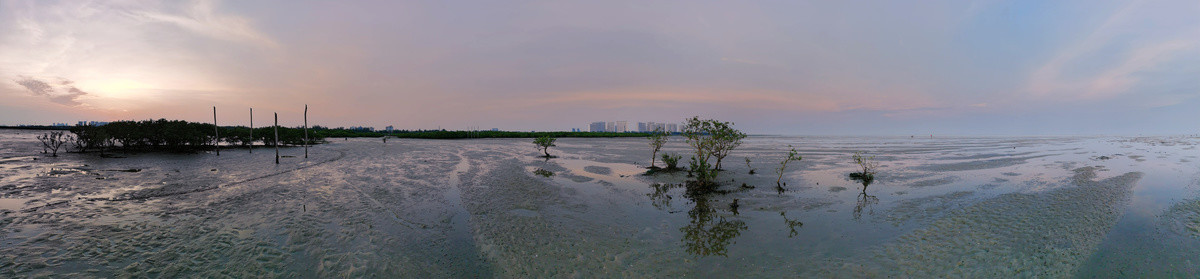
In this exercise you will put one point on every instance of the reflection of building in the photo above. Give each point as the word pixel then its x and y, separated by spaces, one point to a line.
pixel 597 127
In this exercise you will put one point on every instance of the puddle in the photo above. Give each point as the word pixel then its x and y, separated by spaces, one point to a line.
pixel 13 204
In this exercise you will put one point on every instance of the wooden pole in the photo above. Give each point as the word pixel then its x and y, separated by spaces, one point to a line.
pixel 276 138
pixel 251 130
pixel 217 131
pixel 305 131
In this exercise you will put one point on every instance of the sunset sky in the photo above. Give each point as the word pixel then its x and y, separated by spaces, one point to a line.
pixel 772 67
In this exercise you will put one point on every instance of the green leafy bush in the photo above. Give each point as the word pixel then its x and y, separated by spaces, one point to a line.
pixel 672 160
pixel 544 143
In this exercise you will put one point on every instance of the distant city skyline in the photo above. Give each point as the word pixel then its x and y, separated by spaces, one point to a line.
pixel 771 67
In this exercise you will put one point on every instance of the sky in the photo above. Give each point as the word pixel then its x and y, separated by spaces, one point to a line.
pixel 770 67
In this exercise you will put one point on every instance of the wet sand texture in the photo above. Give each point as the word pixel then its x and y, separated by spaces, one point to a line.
pixel 1022 235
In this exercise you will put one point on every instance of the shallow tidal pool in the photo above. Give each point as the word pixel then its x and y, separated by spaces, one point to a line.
pixel 938 207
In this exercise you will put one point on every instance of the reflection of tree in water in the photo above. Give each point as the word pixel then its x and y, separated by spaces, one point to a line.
pixel 660 195
pixel 792 224
pixel 543 172
pixel 709 234
pixel 864 200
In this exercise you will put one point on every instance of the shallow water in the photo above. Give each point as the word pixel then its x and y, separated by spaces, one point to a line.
pixel 953 206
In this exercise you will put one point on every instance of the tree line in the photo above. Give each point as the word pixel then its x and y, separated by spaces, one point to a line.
pixel 444 134
pixel 178 134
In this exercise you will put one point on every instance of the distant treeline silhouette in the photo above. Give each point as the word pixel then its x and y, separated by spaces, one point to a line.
pixel 444 134
pixel 178 134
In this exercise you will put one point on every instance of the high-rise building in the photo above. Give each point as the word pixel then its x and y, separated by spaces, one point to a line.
pixel 672 128
pixel 621 127
pixel 389 128
pixel 610 127
pixel 597 127
pixel 642 127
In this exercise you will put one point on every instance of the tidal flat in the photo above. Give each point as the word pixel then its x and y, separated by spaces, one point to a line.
pixel 938 207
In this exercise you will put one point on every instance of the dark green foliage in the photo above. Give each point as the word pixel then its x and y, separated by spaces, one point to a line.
pixel 544 143
pixel 864 179
pixel 705 175
pixel 443 134
pixel 710 138
pixel 672 161
pixel 175 135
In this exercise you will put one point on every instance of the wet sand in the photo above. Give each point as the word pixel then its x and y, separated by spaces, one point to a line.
pixel 475 208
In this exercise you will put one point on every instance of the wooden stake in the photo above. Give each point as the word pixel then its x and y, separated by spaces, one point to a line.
pixel 305 131
pixel 276 138
pixel 217 131
pixel 251 130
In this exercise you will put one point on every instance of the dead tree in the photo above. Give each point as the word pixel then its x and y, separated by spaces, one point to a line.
pixel 52 141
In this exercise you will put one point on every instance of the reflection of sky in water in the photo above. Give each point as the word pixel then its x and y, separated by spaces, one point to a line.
pixel 919 181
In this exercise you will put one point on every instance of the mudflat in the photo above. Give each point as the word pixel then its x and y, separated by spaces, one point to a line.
pixel 959 206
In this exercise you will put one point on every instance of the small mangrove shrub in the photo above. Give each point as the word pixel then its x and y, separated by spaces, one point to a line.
pixel 748 166
pixel 544 143
pixel 672 161
pixel 705 175
pixel 867 164
pixel 727 139
pixel 793 155
pixel 658 138
pixel 709 138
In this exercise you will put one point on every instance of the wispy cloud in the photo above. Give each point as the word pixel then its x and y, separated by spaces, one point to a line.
pixel 63 92
pixel 201 17
pixel 532 65
pixel 1131 40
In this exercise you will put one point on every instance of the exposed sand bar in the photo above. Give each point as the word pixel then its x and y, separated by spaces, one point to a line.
pixel 1022 235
